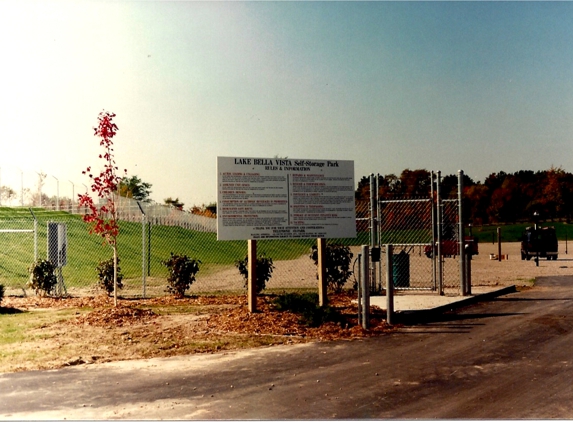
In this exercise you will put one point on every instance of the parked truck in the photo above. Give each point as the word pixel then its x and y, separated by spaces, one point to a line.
pixel 541 242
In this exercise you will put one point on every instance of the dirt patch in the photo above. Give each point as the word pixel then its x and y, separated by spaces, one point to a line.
pixel 92 330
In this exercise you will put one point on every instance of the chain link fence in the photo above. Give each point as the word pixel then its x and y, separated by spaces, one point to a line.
pixel 149 233
pixel 424 233
pixel 407 225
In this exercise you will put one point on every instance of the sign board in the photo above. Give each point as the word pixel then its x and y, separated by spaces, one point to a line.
pixel 275 198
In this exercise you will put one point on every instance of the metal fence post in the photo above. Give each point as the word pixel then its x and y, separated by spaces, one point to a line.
pixel 365 287
pixel 359 286
pixel 373 223
pixel 433 205
pixel 389 284
pixel 35 235
pixel 469 273
pixel 439 237
pixel 463 286
pixel 143 278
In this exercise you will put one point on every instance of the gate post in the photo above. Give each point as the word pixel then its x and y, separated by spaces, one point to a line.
pixel 389 284
pixel 433 205
pixel 365 287
pixel 461 236
pixel 373 222
pixel 439 237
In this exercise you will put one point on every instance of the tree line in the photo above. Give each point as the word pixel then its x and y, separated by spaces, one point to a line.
pixel 501 198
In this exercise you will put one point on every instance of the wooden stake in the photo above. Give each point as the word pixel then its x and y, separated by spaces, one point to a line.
pixel 252 282
pixel 322 296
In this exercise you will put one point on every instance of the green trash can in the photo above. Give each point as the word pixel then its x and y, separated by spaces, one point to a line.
pixel 401 269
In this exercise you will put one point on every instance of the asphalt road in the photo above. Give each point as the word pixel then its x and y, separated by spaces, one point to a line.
pixel 507 358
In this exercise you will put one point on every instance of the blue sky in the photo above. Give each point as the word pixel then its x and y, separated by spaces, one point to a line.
pixel 478 86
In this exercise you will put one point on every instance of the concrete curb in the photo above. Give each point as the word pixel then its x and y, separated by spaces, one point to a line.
pixel 424 315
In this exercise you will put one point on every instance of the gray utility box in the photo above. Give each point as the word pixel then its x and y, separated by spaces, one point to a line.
pixel 401 269
pixel 57 244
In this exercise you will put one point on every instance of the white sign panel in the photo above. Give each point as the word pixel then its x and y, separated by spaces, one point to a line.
pixel 275 198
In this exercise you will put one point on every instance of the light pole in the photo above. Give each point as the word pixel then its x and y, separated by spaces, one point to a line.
pixel 73 194
pixel 21 187
pixel 57 193
pixel 537 237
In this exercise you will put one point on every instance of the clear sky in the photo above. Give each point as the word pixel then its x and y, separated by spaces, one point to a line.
pixel 478 86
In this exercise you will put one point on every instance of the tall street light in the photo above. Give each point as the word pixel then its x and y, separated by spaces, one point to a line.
pixel 57 193
pixel 73 194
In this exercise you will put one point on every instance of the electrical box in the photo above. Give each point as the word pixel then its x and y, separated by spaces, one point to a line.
pixel 57 244
pixel 375 254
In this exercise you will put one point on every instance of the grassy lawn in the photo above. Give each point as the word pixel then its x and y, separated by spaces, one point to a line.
pixel 85 251
pixel 513 232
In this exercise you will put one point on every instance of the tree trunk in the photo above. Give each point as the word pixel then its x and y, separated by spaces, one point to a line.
pixel 114 275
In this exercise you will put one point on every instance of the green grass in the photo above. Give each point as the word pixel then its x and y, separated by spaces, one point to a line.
pixel 85 251
pixel 513 232
pixel 16 327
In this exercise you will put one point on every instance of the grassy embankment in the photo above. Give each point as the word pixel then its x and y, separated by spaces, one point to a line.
pixel 85 251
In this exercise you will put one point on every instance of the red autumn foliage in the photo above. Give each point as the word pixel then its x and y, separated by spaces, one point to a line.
pixel 103 220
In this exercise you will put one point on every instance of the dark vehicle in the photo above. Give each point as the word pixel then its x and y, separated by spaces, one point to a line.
pixel 451 247
pixel 541 242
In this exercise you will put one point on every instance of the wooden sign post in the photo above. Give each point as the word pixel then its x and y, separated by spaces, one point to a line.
pixel 252 282
pixel 322 285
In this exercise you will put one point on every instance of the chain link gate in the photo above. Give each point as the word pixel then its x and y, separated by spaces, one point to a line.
pixel 425 234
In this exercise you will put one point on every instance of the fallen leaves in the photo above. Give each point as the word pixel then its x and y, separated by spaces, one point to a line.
pixel 115 316
pixel 167 326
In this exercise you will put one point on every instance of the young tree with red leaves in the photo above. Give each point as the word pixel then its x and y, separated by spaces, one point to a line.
pixel 103 220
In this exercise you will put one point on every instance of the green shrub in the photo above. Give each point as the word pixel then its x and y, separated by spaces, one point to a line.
pixel 105 275
pixel 43 279
pixel 306 305
pixel 182 271
pixel 338 262
pixel 264 271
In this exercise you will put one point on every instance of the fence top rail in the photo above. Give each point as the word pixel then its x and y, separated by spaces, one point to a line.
pixel 16 231
pixel 388 201
pixel 407 244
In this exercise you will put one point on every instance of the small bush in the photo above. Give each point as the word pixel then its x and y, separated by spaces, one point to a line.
pixel 338 262
pixel 306 305
pixel 264 271
pixel 105 275
pixel 182 271
pixel 43 279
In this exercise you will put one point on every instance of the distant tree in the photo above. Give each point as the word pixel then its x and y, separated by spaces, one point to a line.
pixel 7 193
pixel 38 198
pixel 552 192
pixel 476 199
pixel 415 183
pixel 174 203
pixel 134 187
pixel 209 210
pixel 501 198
